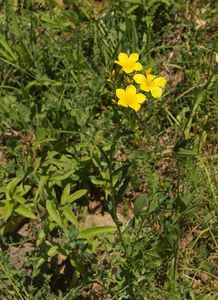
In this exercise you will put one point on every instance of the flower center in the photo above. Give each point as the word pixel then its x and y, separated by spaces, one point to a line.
pixel 129 99
pixel 129 64
pixel 149 83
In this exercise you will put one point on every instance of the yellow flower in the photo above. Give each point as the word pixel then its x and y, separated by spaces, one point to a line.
pixel 129 97
pixel 151 83
pixel 129 63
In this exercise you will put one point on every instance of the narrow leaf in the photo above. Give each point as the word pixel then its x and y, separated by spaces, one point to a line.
pixel 68 213
pixel 6 47
pixel 53 212
pixel 90 232
pixel 42 182
pixel 65 193
pixel 139 204
pixel 13 183
pixel 23 211
pixel 62 176
pixel 53 251
pixel 19 199
pixel 78 194
pixel 8 209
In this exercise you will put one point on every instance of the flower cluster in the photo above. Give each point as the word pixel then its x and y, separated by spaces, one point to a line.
pixel 148 83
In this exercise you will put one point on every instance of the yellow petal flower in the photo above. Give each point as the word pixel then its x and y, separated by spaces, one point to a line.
pixel 128 69
pixel 160 81
pixel 122 102
pixel 140 98
pixel 130 98
pixel 150 83
pixel 138 67
pixel 122 57
pixel 139 78
pixel 150 77
pixel 131 90
pixel 129 63
pixel 134 57
pixel 145 86
pixel 156 91
pixel 120 93
pixel 135 106
pixel 148 71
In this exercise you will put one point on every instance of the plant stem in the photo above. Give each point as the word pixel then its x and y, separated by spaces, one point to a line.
pixel 113 193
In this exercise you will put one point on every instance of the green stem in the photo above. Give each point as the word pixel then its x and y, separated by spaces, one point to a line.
pixel 113 211
pixel 113 193
pixel 137 236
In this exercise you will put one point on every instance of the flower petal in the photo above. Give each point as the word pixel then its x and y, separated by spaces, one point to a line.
pixel 141 98
pixel 144 86
pixel 160 81
pixel 131 90
pixel 148 71
pixel 139 78
pixel 128 70
pixel 156 91
pixel 122 57
pixel 120 93
pixel 118 63
pixel 122 102
pixel 138 67
pixel 134 57
pixel 135 106
pixel 150 77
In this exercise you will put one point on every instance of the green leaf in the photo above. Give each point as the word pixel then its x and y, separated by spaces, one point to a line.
pixel 53 212
pixel 42 182
pixel 22 190
pixel 37 163
pixel 45 140
pixel 122 190
pixel 186 152
pixel 56 249
pixel 123 169
pixel 154 202
pixel 78 194
pixel 3 190
pixel 90 232
pixel 139 204
pixel 99 182
pixel 104 154
pixel 53 251
pixel 41 237
pixel 42 82
pixel 12 184
pixel 19 199
pixel 8 209
pixel 135 1
pixel 23 211
pixel 65 193
pixel 62 176
pixel 78 265
pixel 68 213
pixel 7 48
pixel 36 267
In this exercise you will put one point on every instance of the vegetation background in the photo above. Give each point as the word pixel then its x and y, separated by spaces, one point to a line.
pixel 61 235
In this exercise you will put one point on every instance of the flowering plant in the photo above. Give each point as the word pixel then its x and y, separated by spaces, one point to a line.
pixel 148 83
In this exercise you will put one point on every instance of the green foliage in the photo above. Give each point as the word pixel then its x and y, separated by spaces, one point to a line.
pixel 66 148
